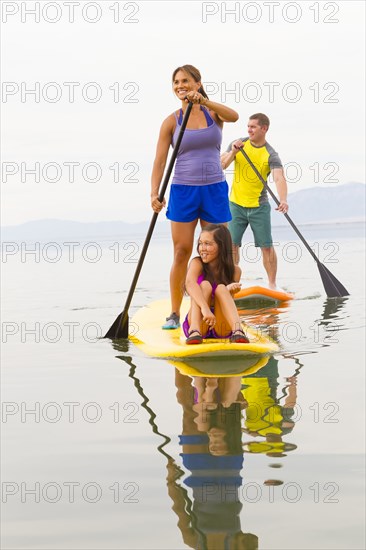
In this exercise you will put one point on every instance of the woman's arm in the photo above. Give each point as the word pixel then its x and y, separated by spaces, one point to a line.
pixel 221 112
pixel 162 149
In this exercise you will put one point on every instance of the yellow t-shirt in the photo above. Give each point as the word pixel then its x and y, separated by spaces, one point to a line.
pixel 247 189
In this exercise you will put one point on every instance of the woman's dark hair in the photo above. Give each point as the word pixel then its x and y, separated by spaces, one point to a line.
pixel 194 73
pixel 225 267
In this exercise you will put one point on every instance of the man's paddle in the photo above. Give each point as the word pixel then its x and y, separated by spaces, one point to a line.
pixel 332 286
pixel 119 329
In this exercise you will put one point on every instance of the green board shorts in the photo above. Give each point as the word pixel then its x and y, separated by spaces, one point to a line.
pixel 258 218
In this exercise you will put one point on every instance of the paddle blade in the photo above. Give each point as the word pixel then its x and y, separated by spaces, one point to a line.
pixel 119 329
pixel 332 286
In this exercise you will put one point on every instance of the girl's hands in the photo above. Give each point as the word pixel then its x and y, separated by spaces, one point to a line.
pixel 208 317
pixel 233 288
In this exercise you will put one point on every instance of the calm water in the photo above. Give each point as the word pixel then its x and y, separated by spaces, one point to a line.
pixel 106 448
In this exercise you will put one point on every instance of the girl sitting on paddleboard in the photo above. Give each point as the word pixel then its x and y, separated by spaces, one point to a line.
pixel 199 190
pixel 212 280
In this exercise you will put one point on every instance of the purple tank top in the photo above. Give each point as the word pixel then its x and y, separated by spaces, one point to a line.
pixel 198 159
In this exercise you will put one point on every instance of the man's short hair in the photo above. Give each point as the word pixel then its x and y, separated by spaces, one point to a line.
pixel 262 119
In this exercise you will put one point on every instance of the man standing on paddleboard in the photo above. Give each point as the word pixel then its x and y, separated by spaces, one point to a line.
pixel 248 197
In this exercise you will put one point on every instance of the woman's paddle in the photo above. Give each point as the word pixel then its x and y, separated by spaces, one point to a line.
pixel 332 286
pixel 119 329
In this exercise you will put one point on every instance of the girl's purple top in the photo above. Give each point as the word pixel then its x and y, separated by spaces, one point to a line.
pixel 202 278
pixel 198 160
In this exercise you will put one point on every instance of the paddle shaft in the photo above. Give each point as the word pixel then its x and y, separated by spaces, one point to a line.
pixel 278 202
pixel 120 328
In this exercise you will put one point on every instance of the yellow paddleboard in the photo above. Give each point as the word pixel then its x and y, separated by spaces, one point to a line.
pixel 147 334
pixel 263 294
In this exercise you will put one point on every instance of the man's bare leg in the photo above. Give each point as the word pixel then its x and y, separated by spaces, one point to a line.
pixel 270 265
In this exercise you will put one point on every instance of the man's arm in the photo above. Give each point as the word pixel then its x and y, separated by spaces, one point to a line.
pixel 280 181
pixel 228 157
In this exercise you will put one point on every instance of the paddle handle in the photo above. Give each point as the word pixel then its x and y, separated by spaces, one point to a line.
pixel 278 202
pixel 164 186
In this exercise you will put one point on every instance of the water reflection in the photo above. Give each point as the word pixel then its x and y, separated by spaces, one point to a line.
pixel 266 319
pixel 220 401
pixel 145 402
pixel 221 367
pixel 331 321
pixel 230 407
pixel 207 501
pixel 212 453
pixel 269 416
pixel 216 410
pixel 332 307
pixel 260 303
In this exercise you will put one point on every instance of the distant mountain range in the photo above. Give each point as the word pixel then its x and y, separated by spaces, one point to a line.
pixel 345 203
pixel 326 204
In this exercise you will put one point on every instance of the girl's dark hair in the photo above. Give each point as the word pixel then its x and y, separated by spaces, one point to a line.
pixel 225 267
pixel 194 73
pixel 228 418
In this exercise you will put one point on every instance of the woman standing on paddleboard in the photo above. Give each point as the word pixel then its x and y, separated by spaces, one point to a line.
pixel 199 190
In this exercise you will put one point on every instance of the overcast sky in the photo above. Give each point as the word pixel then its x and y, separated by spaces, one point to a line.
pixel 86 86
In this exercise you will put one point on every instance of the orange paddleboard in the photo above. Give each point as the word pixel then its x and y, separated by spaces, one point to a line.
pixel 262 293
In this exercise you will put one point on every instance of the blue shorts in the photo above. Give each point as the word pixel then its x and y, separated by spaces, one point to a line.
pixel 205 202
pixel 258 218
